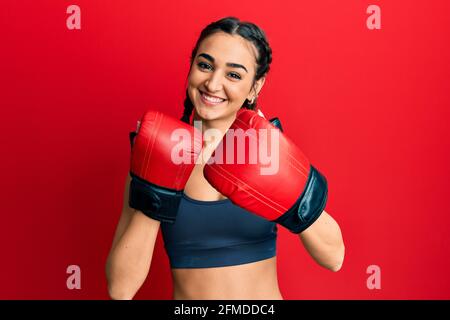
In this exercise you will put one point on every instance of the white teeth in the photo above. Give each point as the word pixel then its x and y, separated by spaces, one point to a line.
pixel 212 99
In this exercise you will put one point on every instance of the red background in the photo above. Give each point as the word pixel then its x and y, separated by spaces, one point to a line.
pixel 370 108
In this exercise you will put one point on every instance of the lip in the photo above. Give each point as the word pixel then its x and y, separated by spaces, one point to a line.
pixel 209 103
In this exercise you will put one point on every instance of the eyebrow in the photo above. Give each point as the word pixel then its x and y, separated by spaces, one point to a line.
pixel 229 64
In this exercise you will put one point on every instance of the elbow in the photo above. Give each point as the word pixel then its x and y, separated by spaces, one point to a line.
pixel 336 267
pixel 116 289
pixel 119 293
pixel 338 260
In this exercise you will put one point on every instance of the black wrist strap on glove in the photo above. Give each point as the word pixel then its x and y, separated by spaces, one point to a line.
pixel 309 205
pixel 156 202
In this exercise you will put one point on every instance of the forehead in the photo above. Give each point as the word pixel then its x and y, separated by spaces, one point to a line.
pixel 225 48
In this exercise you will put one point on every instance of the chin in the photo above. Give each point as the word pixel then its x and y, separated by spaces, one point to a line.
pixel 206 114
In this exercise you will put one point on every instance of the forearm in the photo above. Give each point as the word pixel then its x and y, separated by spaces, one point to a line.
pixel 323 241
pixel 129 261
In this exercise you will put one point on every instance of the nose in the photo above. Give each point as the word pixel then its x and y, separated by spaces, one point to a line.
pixel 214 82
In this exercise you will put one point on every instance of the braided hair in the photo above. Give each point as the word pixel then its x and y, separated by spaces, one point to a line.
pixel 246 30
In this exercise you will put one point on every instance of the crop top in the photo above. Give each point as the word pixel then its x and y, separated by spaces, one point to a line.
pixel 209 234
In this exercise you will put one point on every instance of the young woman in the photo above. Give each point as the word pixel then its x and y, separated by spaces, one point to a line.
pixel 217 250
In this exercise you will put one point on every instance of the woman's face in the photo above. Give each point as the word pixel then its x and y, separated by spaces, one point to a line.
pixel 221 76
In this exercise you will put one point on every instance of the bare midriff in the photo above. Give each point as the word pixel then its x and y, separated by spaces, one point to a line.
pixel 251 281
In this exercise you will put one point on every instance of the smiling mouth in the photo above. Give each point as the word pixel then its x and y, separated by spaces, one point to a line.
pixel 209 100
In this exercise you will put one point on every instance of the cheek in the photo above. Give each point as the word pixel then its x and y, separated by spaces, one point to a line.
pixel 237 93
pixel 193 84
pixel 192 78
pixel 195 78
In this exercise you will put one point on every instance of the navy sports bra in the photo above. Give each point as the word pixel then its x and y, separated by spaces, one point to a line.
pixel 209 234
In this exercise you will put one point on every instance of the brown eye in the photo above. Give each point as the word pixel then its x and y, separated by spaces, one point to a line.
pixel 235 75
pixel 203 65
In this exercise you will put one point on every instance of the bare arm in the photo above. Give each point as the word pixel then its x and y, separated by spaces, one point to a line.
pixel 131 252
pixel 323 241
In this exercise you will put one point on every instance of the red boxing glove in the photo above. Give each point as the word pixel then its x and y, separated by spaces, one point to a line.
pixel 163 155
pixel 290 192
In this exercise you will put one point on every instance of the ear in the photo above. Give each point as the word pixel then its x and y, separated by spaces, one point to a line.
pixel 260 84
pixel 256 88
